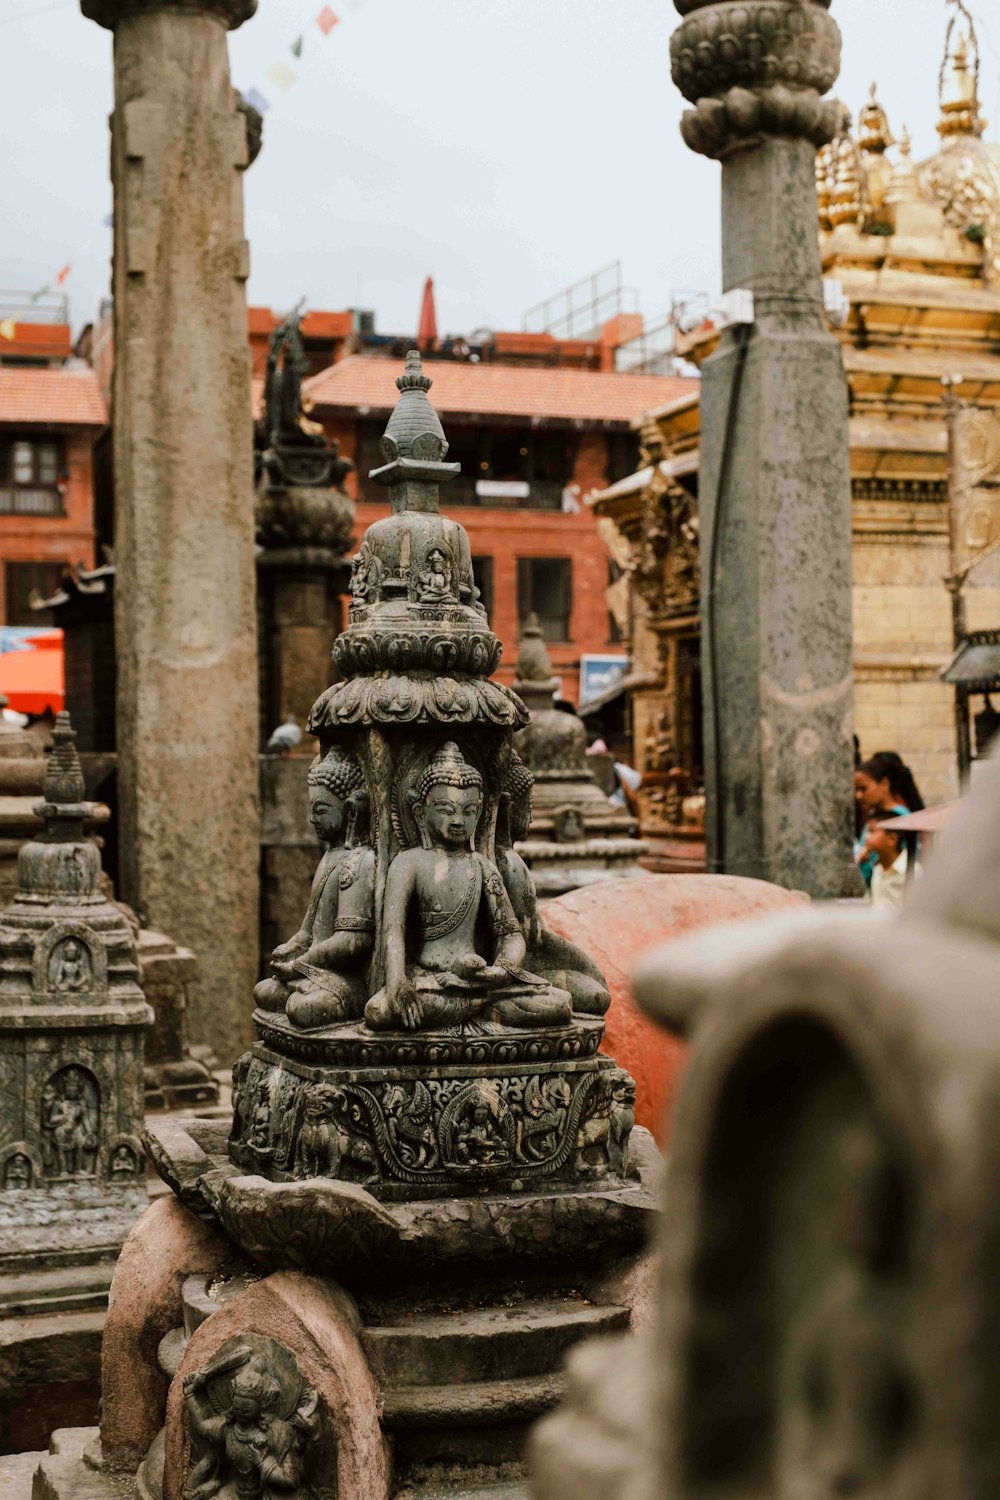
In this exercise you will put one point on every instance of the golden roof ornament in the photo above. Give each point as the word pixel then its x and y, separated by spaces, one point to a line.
pixel 848 199
pixel 904 186
pixel 958 84
pixel 874 135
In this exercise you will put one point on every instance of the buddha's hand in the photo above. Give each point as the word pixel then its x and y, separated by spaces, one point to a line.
pixel 470 966
pixel 285 971
pixel 285 951
pixel 494 974
pixel 405 1004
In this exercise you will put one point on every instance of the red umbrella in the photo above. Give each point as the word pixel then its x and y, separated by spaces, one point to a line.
pixel 34 679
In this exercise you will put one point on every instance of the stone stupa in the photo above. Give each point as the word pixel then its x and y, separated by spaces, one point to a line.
pixel 577 835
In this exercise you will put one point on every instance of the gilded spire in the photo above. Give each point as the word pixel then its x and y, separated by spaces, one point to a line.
pixel 874 134
pixel 903 186
pixel 847 205
pixel 958 84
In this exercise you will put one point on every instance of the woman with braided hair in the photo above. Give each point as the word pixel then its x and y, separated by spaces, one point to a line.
pixel 318 976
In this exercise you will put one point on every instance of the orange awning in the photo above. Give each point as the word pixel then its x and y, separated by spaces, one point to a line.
pixel 34 679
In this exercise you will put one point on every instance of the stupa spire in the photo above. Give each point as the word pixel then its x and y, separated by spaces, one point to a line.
pixel 958 83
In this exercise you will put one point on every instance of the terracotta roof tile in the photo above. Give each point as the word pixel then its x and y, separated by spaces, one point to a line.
pixel 57 398
pixel 501 390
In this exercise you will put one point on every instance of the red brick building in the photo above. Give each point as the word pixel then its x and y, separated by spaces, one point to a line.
pixel 534 440
pixel 51 413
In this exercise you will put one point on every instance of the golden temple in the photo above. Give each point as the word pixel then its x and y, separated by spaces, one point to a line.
pixel 911 253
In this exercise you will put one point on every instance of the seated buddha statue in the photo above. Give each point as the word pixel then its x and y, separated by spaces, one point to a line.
pixel 560 962
pixel 444 901
pixel 318 976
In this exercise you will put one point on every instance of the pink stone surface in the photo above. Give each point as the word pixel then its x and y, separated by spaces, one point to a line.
pixel 318 1324
pixel 619 922
pixel 166 1245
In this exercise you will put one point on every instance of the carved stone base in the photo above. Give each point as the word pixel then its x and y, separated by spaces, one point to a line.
pixel 433 1114
pixel 337 1228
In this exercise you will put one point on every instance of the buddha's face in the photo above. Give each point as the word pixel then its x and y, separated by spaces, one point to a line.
pixel 451 814
pixel 327 813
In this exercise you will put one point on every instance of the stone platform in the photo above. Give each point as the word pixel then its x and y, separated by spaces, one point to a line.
pixel 336 1228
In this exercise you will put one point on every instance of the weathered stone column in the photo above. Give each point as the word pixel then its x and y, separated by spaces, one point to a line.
pixel 775 477
pixel 184 525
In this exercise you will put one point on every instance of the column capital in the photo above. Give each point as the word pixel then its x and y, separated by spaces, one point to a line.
pixel 231 13
pixel 755 70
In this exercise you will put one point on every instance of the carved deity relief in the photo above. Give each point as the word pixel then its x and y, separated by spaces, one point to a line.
pixel 367 574
pixel 257 1429
pixel 434 581
pixel 17 1172
pixel 70 967
pixel 70 1117
pixel 124 1162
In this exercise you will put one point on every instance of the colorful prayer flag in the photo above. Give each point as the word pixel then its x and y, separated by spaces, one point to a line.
pixel 7 328
pixel 257 101
pixel 42 292
pixel 61 275
pixel 108 221
pixel 296 47
pixel 327 20
pixel 281 75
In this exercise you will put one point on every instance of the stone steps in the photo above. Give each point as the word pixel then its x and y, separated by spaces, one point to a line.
pixel 81 1288
pixel 502 1343
pixel 462 1387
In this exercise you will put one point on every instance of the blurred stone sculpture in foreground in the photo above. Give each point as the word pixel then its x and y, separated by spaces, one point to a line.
pixel 830 1259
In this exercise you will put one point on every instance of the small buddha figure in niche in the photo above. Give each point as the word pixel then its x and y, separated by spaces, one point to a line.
pixel 441 900
pixel 17 1172
pixel 558 961
pixel 434 581
pixel 318 976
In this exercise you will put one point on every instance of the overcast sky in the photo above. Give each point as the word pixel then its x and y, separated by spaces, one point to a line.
pixel 507 147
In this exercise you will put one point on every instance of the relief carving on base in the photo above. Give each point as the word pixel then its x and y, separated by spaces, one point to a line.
pixel 256 1429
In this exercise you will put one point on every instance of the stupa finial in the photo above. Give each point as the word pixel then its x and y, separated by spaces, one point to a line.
pixel 64 783
pixel 874 134
pixel 958 82
pixel 414 445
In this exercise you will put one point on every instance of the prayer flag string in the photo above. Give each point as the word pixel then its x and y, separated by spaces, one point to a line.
pixel 280 75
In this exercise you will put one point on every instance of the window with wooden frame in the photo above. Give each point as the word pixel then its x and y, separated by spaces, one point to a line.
pixel 545 588
pixel 31 469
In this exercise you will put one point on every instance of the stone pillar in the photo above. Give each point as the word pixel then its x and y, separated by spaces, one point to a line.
pixel 775 477
pixel 184 525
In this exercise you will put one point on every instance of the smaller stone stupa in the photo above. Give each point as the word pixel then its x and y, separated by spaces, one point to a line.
pixel 577 835
pixel 22 773
pixel 72 1024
